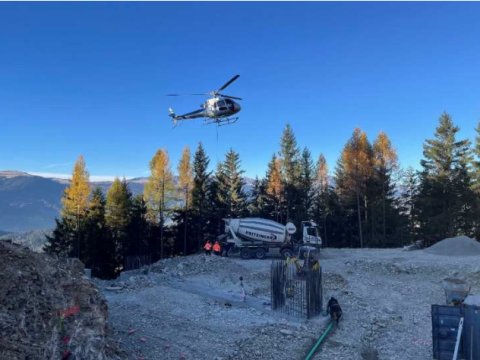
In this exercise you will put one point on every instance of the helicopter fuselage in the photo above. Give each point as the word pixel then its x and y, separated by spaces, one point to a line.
pixel 220 107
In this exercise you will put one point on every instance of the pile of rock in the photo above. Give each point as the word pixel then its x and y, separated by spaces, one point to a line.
pixel 49 310
pixel 456 246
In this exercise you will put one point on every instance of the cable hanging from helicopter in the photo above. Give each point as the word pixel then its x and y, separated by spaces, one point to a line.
pixel 219 109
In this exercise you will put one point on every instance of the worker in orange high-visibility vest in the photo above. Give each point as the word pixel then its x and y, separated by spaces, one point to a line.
pixel 217 249
pixel 208 248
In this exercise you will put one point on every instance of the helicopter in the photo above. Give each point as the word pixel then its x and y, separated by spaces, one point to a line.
pixel 219 109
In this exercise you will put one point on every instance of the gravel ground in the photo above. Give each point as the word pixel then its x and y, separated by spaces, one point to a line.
pixel 191 308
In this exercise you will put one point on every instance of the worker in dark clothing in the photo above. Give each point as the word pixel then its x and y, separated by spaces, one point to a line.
pixel 208 248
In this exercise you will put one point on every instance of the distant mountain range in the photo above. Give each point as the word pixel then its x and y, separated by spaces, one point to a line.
pixel 29 202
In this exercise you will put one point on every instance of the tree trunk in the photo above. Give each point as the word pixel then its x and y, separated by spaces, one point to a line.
pixel 360 232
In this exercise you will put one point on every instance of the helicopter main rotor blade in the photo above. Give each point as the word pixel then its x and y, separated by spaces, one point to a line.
pixel 229 82
pixel 186 94
pixel 230 97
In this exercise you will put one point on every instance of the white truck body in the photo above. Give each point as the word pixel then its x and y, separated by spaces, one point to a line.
pixel 256 236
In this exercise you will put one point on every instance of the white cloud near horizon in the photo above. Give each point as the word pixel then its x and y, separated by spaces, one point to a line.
pixel 93 178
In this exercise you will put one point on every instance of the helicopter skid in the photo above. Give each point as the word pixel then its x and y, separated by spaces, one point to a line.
pixel 222 121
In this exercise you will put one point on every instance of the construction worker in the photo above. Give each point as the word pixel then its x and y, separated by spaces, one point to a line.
pixel 208 248
pixel 217 249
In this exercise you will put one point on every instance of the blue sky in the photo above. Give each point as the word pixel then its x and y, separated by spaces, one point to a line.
pixel 90 78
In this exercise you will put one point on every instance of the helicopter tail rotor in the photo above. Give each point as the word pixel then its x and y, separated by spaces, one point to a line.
pixel 171 113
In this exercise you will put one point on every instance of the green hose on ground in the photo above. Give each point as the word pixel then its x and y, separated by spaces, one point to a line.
pixel 319 341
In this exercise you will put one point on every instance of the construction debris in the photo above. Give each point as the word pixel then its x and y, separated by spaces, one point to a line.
pixel 49 310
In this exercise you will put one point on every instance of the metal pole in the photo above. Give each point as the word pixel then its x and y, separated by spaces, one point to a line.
pixel 459 336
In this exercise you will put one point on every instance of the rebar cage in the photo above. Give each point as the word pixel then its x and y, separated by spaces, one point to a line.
pixel 296 290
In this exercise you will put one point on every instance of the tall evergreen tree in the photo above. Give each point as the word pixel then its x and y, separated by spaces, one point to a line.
pixel 385 162
pixel 257 207
pixel 100 248
pixel 409 188
pixel 117 217
pixel 291 173
pixel 230 194
pixel 201 178
pixel 306 185
pixel 444 181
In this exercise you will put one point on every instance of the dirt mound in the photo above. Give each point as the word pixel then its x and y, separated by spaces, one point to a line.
pixel 191 265
pixel 456 246
pixel 49 310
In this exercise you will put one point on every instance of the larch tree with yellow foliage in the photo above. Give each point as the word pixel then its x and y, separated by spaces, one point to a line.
pixel 185 183
pixel 353 171
pixel 67 236
pixel 275 187
pixel 159 190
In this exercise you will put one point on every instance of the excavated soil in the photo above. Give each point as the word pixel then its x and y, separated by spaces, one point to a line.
pixel 48 310
pixel 191 308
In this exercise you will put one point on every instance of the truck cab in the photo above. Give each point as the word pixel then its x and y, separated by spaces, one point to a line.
pixel 310 234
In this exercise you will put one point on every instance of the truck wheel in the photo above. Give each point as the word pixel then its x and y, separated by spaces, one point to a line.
pixel 260 253
pixel 245 254
pixel 286 253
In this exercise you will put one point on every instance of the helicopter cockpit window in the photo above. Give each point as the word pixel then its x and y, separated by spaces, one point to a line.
pixel 221 105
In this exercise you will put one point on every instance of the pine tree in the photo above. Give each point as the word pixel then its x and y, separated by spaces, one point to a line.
pixel 201 178
pixel 444 181
pixel 117 217
pixel 385 162
pixel 291 172
pixel 409 188
pixel 230 194
pixel 306 185
pixel 257 207
pixel 321 196
pixel 100 248
pixel 159 191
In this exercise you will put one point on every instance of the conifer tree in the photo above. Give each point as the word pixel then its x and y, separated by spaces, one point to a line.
pixel 321 195
pixel 76 195
pixel 230 194
pixel 354 169
pixel 409 187
pixel 158 191
pixel 185 180
pixel 385 161
pixel 306 185
pixel 100 248
pixel 117 217
pixel 291 172
pixel 201 178
pixel 257 205
pixel 275 188
pixel 444 181
pixel 68 235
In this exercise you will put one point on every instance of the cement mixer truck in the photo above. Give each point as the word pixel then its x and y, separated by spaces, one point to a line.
pixel 257 237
